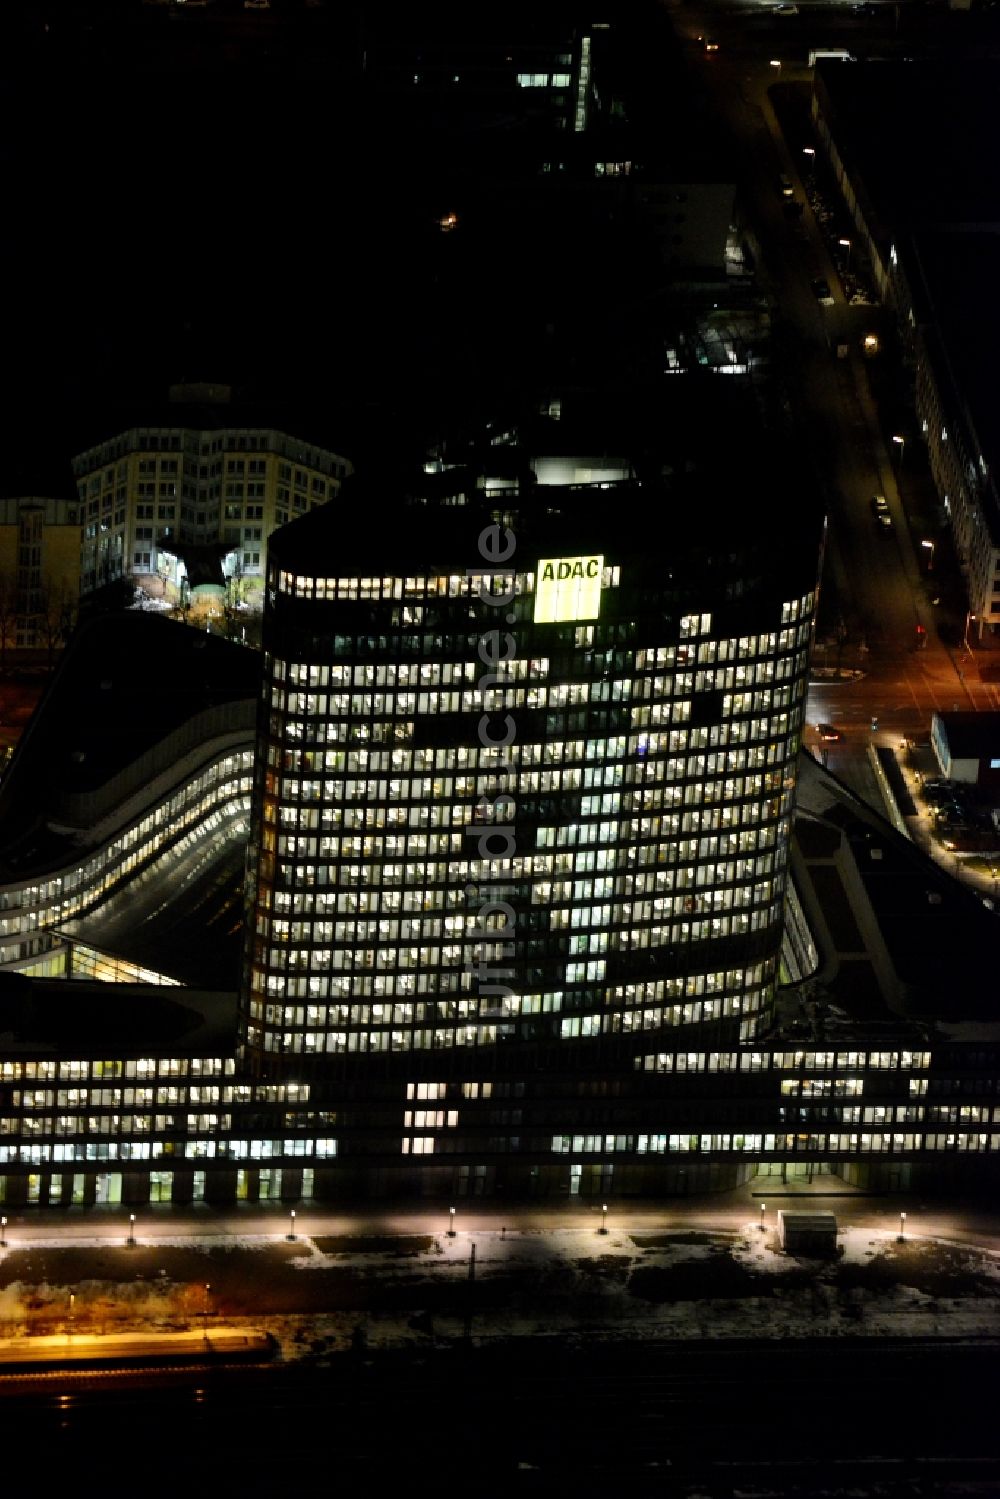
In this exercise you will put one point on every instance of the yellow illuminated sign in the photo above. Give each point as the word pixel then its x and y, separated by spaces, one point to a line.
pixel 568 588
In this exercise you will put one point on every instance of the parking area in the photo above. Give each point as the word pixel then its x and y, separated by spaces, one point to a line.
pixel 956 822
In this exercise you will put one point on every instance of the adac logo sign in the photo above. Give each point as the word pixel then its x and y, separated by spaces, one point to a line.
pixel 568 588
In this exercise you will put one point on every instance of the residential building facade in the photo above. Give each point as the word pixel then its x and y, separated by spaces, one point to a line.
pixel 39 571
pixel 153 496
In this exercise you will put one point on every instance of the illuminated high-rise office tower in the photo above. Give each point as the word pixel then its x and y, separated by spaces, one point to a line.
pixel 525 780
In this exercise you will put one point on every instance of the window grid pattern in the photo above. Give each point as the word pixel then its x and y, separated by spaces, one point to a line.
pixel 644 827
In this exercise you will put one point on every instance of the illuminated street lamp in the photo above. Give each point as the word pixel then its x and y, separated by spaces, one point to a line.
pixel 847 246
pixel 928 546
pixel 131 1231
pixel 208 1292
pixel 900 443
pixel 776 63
pixel 902 1227
pixel 810 151
pixel 291 1224
pixel 604 1218
pixel 763 1207
pixel 451 1223
pixel 3 1233
pixel 965 639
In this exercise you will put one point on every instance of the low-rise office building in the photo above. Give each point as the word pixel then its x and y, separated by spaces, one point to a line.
pixel 967 748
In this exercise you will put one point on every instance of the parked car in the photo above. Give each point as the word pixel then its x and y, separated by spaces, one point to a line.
pixel 827 732
pixel 822 292
pixel 880 510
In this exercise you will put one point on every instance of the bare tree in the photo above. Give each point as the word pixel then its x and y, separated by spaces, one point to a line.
pixel 8 615
pixel 57 616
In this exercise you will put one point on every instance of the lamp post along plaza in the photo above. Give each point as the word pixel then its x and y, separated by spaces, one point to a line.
pixel 604 1218
pixel 902 1227
pixel 968 620
pixel 451 1223
pixel 763 1209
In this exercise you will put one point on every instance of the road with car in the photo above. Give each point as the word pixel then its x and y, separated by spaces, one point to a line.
pixel 882 623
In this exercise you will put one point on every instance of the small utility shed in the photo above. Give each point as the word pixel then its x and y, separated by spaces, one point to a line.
pixel 807 1233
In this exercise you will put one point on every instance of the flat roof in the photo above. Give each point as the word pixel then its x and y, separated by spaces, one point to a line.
pixel 88 1019
pixel 706 470
pixel 124 683
pixel 971 736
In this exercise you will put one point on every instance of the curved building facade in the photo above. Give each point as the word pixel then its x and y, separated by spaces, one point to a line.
pixel 524 788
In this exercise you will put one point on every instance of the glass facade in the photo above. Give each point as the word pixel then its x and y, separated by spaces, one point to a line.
pixel 209 808
pixel 520 809
pixel 602 825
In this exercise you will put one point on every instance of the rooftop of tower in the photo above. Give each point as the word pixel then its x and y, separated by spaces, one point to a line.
pixel 701 475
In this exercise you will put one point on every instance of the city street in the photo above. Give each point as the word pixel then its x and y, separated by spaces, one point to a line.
pixel 879 583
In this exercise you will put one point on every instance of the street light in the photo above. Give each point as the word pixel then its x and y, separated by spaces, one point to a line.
pixel 131 1230
pixel 902 1227
pixel 928 546
pixel 965 639
pixel 604 1218
pixel 776 63
pixel 900 444
pixel 847 246
pixel 208 1292
pixel 451 1222
pixel 291 1224
pixel 809 151
pixel 762 1209
pixel 3 1233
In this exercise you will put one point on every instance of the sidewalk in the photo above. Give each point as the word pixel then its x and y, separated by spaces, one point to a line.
pixel 579 1286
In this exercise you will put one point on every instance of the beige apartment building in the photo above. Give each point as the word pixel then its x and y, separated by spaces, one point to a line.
pixel 39 571
pixel 188 502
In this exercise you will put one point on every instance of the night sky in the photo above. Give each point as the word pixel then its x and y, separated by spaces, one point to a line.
pixel 195 204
